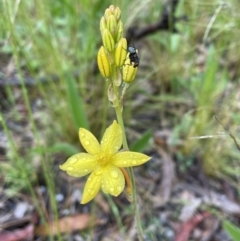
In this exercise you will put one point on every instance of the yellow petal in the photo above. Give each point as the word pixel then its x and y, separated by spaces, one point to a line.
pixel 113 181
pixel 79 165
pixel 92 186
pixel 112 138
pixel 89 141
pixel 129 159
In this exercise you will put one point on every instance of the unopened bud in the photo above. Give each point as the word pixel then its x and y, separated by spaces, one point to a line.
pixel 111 8
pixel 128 71
pixel 117 13
pixel 104 63
pixel 119 31
pixel 112 25
pixel 108 41
pixel 102 24
pixel 107 14
pixel 120 52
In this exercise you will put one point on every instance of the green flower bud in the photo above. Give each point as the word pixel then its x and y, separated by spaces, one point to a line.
pixel 112 24
pixel 107 14
pixel 108 41
pixel 119 31
pixel 102 24
pixel 111 8
pixel 120 52
pixel 128 71
pixel 104 63
pixel 117 13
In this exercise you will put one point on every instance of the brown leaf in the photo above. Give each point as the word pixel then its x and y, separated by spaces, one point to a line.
pixel 23 234
pixel 64 225
pixel 186 228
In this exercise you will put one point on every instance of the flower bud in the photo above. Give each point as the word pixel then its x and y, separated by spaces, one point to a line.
pixel 107 14
pixel 108 41
pixel 119 31
pixel 128 71
pixel 102 24
pixel 117 13
pixel 111 9
pixel 112 25
pixel 103 63
pixel 120 52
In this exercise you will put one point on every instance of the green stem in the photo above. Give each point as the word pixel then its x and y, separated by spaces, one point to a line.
pixel 118 111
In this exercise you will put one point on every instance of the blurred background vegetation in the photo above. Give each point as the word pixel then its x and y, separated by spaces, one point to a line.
pixel 50 85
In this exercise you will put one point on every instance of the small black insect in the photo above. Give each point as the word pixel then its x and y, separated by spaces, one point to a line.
pixel 133 56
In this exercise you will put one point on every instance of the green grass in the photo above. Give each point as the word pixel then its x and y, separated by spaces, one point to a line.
pixel 185 79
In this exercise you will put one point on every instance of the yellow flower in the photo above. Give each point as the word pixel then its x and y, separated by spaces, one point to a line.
pixel 103 161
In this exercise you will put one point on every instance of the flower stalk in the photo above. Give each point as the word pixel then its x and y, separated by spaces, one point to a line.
pixel 131 174
pixel 104 160
pixel 123 68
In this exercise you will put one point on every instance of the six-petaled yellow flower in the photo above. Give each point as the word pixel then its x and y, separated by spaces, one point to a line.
pixel 103 161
